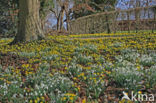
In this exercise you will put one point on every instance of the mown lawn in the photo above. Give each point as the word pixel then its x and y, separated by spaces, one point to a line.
pixel 88 68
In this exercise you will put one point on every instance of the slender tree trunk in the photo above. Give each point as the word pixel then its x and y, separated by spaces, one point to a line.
pixel 57 25
pixel 29 26
pixel 58 22
pixel 67 19
pixel 128 13
pixel 107 23
pixel 136 19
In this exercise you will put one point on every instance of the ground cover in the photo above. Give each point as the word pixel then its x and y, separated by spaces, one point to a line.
pixel 72 69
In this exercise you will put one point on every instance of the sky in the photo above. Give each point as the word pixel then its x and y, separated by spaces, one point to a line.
pixel 121 3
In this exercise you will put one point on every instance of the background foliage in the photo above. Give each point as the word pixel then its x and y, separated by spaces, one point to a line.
pixel 8 20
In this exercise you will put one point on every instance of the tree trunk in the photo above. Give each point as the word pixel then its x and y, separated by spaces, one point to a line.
pixel 67 19
pixel 29 26
pixel 107 24
pixel 61 17
pixel 58 22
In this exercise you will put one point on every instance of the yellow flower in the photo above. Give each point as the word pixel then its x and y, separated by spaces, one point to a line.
pixel 1 78
pixel 62 72
pixel 66 68
pixel 78 88
pixel 31 101
pixel 94 80
pixel 138 67
pixel 140 92
pixel 38 98
pixel 70 94
pixel 26 72
pixel 25 65
pixel 17 71
pixel 71 98
pixel 82 74
pixel 36 101
pixel 64 98
pixel 74 78
pixel 122 101
pixel 84 78
pixel 8 82
pixel 84 100
pixel 108 72
pixel 42 98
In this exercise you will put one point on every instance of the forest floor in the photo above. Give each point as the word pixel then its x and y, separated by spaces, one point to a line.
pixel 85 68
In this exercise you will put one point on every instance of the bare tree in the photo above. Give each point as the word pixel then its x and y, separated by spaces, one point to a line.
pixel 61 10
